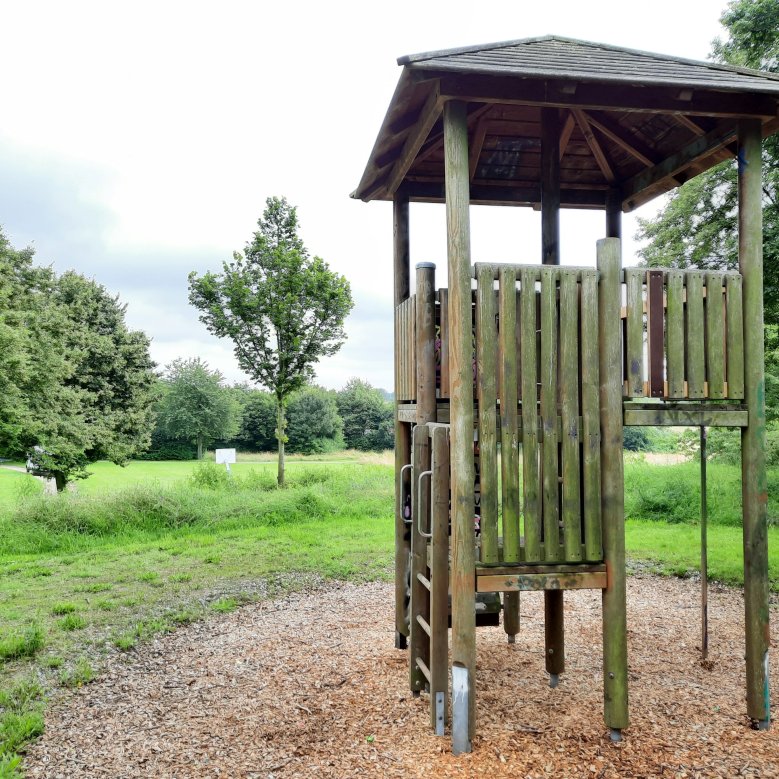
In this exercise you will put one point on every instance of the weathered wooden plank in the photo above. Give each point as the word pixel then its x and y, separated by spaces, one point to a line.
pixel 443 313
pixel 655 341
pixel 419 646
pixel 569 408
pixel 695 336
pixel 590 433
pixel 551 506
pixel 486 357
pixel 685 418
pixel 439 573
pixel 401 285
pixel 530 420
pixel 615 667
pixel 509 429
pixel 753 470
pixel 532 582
pixel 461 387
pixel 635 331
pixel 715 336
pixel 424 316
pixel 735 337
pixel 674 326
pixel 499 569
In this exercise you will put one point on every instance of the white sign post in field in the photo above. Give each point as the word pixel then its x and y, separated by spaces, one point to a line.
pixel 225 456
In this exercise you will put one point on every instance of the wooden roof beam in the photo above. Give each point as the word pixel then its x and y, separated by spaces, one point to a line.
pixel 618 135
pixel 565 133
pixel 594 144
pixel 476 145
pixel 700 148
pixel 488 194
pixel 592 96
pixel 428 116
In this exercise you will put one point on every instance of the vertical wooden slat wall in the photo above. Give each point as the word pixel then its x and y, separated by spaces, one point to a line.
pixel 715 336
pixel 443 305
pixel 486 355
pixel 591 437
pixel 509 422
pixel 635 332
pixel 735 337
pixel 696 360
pixel 569 406
pixel 551 506
pixel 530 470
pixel 674 326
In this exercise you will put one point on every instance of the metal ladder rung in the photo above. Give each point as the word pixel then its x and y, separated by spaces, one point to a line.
pixel 425 625
pixel 423 667
pixel 424 580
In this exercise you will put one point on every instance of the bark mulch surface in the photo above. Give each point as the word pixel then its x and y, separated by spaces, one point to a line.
pixel 310 685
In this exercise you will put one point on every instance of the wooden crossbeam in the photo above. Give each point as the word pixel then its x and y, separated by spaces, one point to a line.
pixel 565 133
pixel 701 147
pixel 594 144
pixel 616 133
pixel 428 116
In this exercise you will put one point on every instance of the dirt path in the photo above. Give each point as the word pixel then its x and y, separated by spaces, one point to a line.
pixel 310 686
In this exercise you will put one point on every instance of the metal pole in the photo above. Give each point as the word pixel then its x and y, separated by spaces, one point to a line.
pixel 704 553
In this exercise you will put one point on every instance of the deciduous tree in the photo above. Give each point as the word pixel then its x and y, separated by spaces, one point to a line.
pixel 283 309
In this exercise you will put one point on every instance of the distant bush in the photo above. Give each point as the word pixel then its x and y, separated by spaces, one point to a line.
pixel 635 439
pixel 164 448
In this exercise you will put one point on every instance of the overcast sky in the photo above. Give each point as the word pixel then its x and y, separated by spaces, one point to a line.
pixel 139 141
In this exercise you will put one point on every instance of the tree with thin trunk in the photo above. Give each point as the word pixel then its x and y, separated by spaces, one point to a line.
pixel 282 309
pixel 195 405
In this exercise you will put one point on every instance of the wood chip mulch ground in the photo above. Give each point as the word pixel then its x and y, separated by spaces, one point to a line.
pixel 310 685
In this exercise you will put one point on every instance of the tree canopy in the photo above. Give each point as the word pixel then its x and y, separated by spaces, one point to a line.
pixel 368 417
pixel 283 309
pixel 698 226
pixel 195 406
pixel 76 385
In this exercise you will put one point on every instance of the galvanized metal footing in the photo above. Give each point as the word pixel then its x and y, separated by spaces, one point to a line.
pixel 460 710
pixel 615 734
pixel 511 639
pixel 401 642
pixel 439 713
pixel 761 724
pixel 554 680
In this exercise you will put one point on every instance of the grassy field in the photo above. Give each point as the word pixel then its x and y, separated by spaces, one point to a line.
pixel 137 551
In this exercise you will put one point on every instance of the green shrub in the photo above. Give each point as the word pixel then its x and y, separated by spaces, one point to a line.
pixel 678 502
pixel 635 439
pixel 210 476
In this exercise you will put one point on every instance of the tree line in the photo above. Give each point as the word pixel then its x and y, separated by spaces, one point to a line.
pixel 196 410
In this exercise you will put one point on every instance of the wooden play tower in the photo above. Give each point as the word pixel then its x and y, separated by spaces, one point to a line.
pixel 513 384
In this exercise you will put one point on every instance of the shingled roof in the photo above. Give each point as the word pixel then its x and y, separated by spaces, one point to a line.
pixel 634 121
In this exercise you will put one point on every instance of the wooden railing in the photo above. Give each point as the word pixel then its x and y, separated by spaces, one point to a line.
pixel 682 335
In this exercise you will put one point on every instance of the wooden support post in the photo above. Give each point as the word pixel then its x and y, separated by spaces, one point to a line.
pixel 419 643
pixel 550 186
pixel 550 255
pixel 614 213
pixel 461 413
pixel 402 429
pixel 753 471
pixel 439 579
pixel 425 332
pixel 615 666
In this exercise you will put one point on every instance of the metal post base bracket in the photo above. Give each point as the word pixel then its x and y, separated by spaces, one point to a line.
pixel 439 713
pixel 761 724
pixel 615 734
pixel 460 698
pixel 554 680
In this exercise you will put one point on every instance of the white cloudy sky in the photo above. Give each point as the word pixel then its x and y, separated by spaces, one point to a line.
pixel 139 141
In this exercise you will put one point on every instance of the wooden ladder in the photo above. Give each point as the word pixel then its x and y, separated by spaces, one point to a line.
pixel 429 615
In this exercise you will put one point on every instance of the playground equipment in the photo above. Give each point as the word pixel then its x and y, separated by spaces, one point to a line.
pixel 513 384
